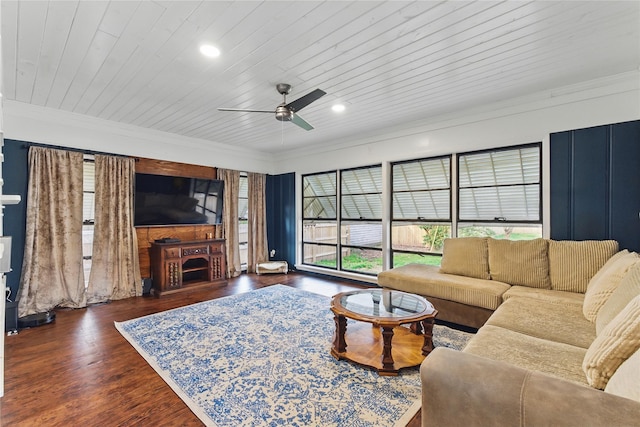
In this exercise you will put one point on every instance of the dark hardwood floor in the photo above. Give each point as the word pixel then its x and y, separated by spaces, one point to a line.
pixel 79 371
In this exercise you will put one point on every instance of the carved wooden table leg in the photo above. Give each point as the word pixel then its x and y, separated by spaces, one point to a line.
pixel 416 328
pixel 339 343
pixel 387 358
pixel 427 327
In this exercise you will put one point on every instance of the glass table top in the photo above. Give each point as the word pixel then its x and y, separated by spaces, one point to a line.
pixel 385 303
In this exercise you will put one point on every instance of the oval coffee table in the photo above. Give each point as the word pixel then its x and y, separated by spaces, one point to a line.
pixel 377 338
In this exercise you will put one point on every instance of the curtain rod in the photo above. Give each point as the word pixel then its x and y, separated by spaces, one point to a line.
pixel 27 144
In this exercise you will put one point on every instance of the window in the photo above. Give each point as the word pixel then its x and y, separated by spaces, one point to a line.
pixel 361 220
pixel 319 219
pixel 499 193
pixel 88 213
pixel 421 210
pixel 243 219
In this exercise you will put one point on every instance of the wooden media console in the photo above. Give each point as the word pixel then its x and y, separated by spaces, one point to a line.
pixel 178 266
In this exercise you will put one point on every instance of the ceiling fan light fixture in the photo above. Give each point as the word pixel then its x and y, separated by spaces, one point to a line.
pixel 209 51
pixel 283 114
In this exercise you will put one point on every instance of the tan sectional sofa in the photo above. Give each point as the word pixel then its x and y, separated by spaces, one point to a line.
pixel 478 274
pixel 557 351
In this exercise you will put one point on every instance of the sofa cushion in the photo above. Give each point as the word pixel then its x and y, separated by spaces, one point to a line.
pixel 549 295
pixel 553 358
pixel 427 280
pixel 547 320
pixel 466 256
pixel 617 341
pixel 625 381
pixel 628 289
pixel 572 264
pixel 519 262
pixel 605 281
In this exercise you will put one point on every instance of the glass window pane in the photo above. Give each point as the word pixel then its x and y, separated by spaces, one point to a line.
pixel 424 238
pixel 400 259
pixel 367 261
pixel 319 207
pixel 243 231
pixel 422 189
pixel 319 195
pixel 87 240
pixel 319 184
pixel 362 181
pixel 519 203
pixel 88 207
pixel 320 255
pixel 362 206
pixel 243 208
pixel 88 190
pixel 362 193
pixel 368 234
pixel 88 176
pixel 244 249
pixel 511 232
pixel 243 198
pixel 421 204
pixel 500 167
pixel 320 231
pixel 426 174
pixel 500 185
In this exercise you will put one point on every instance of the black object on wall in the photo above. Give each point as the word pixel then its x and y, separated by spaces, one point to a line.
pixel 595 184
pixel 16 176
pixel 281 217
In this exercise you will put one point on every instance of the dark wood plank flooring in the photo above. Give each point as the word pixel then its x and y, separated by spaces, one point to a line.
pixel 79 370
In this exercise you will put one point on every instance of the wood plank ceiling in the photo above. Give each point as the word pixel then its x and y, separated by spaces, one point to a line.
pixel 138 62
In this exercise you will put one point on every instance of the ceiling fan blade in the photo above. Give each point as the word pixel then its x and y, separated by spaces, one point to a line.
pixel 297 120
pixel 245 111
pixel 305 100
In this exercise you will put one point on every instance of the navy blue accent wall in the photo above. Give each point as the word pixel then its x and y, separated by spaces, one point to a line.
pixel 15 174
pixel 595 184
pixel 281 216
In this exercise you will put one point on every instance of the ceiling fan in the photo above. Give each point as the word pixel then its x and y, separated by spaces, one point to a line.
pixel 288 112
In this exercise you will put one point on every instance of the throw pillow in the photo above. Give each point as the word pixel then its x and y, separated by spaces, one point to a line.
pixel 519 262
pixel 625 381
pixel 572 264
pixel 627 290
pixel 606 280
pixel 466 256
pixel 619 340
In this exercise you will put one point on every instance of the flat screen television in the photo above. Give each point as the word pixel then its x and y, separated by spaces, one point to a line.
pixel 175 200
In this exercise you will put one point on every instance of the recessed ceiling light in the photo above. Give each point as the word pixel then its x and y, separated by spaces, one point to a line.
pixel 338 108
pixel 210 51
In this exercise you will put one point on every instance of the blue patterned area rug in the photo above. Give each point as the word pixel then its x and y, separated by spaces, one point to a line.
pixel 262 359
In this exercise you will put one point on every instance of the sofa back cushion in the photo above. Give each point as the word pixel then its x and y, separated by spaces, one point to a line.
pixel 466 256
pixel 615 344
pixel 605 281
pixel 573 263
pixel 628 289
pixel 519 262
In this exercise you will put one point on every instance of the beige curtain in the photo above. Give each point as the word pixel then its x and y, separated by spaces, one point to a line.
pixel 52 273
pixel 229 228
pixel 115 268
pixel 258 247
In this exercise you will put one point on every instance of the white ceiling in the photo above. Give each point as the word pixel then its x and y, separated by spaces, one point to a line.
pixel 137 62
